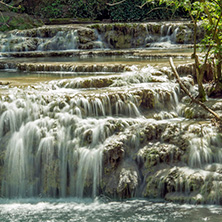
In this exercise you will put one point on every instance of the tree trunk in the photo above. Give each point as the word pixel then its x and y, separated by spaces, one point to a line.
pixel 183 87
pixel 200 69
pixel 219 65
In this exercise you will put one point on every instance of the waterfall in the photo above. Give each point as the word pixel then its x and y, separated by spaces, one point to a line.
pixel 63 40
pixel 42 156
pixel 99 44
pixel 167 38
pixel 54 144
pixel 87 125
pixel 201 149
pixel 97 36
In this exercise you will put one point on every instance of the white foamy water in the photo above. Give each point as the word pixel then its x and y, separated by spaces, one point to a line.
pixel 65 138
pixel 71 210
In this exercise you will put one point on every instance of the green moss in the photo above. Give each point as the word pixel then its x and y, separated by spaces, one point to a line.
pixel 11 20
pixel 151 190
pixel 4 28
pixel 60 20
pixel 109 27
pixel 195 183
pixel 154 28
pixel 123 41
pixel 189 113
pixel 86 84
pixel 4 19
pixel 148 100
pixel 152 160
pixel 95 26
pixel 51 176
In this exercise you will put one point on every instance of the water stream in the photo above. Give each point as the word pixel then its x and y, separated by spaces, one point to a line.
pixel 70 210
pixel 106 127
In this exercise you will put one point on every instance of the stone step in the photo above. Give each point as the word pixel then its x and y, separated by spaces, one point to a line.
pixel 181 52
pixel 99 36
pixel 72 67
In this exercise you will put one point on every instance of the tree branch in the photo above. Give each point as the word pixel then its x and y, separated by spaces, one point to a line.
pixel 7 5
pixel 157 8
pixel 115 3
pixel 4 19
pixel 214 34
pixel 218 118
pixel 141 6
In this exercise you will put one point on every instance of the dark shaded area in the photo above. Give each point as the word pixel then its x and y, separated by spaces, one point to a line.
pixel 128 10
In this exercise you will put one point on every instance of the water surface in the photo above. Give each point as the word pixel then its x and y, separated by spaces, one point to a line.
pixel 70 210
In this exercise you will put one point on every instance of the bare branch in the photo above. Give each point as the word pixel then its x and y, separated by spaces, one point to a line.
pixel 115 3
pixel 141 6
pixel 157 8
pixel 218 118
pixel 7 5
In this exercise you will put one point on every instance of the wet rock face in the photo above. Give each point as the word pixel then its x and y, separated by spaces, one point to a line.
pixel 86 38
pixel 162 162
pixel 112 36
pixel 155 153
pixel 128 140
pixel 46 38
pixel 113 155
pixel 121 36
pixel 11 20
pixel 128 182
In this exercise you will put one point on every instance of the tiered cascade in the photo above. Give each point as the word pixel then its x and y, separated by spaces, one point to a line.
pixel 98 36
pixel 119 130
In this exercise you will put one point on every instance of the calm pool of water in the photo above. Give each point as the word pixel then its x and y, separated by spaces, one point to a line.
pixel 64 210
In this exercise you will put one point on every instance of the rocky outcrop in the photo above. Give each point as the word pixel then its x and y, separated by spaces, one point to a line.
pixel 122 135
pixel 11 20
pixel 122 36
pixel 68 67
pixel 162 169
pixel 97 36
pixel 47 38
pixel 128 182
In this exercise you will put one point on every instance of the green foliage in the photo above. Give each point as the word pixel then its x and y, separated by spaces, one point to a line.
pixel 129 10
pixel 210 15
pixel 10 21
pixel 87 9
pixel 137 10
pixel 90 9
pixel 53 9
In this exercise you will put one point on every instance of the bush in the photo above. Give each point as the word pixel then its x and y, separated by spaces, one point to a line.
pixel 97 10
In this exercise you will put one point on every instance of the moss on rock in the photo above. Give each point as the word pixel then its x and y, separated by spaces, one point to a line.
pixel 12 20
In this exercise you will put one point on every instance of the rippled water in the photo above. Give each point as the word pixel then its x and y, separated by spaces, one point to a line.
pixel 62 210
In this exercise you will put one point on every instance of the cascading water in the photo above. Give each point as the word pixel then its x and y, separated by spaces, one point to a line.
pixel 50 38
pixel 118 130
pixel 167 38
pixel 61 41
pixel 98 36
pixel 48 145
pixel 54 137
